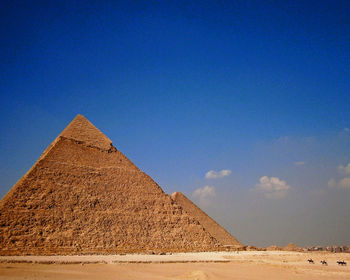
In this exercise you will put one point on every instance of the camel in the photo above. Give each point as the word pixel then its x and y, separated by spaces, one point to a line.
pixel 341 262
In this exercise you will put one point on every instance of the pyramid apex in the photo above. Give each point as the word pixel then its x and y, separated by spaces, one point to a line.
pixel 81 129
pixel 79 115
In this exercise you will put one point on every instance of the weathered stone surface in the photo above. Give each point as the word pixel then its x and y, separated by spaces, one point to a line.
pixel 81 129
pixel 84 196
pixel 215 230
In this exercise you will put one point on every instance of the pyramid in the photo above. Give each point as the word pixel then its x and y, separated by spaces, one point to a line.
pixel 292 247
pixel 83 196
pixel 215 230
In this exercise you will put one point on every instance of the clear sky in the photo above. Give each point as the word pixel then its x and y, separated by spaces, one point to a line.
pixel 241 105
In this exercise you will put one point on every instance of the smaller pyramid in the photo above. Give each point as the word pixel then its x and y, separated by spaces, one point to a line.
pixel 215 230
pixel 292 247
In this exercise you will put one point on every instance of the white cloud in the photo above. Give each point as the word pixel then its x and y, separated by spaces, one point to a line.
pixel 299 163
pixel 272 187
pixel 342 183
pixel 205 194
pixel 332 183
pixel 344 169
pixel 217 174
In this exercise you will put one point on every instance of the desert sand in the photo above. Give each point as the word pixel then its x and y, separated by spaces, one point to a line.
pixel 210 265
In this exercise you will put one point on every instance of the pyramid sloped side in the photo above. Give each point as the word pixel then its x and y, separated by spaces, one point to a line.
pixel 78 200
pixel 81 129
pixel 217 231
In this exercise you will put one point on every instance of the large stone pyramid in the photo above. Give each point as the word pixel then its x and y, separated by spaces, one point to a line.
pixel 215 230
pixel 84 196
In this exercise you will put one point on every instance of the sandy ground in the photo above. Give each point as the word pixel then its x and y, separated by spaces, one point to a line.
pixel 223 265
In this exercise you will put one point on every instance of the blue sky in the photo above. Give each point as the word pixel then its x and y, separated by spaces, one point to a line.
pixel 185 87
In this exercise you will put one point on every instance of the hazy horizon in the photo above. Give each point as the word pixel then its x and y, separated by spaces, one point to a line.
pixel 243 107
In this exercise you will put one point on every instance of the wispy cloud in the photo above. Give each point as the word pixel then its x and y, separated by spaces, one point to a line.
pixel 217 174
pixel 272 187
pixel 299 163
pixel 344 169
pixel 342 183
pixel 205 194
pixel 332 183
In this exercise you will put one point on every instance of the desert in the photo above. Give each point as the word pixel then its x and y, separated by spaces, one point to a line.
pixel 206 265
